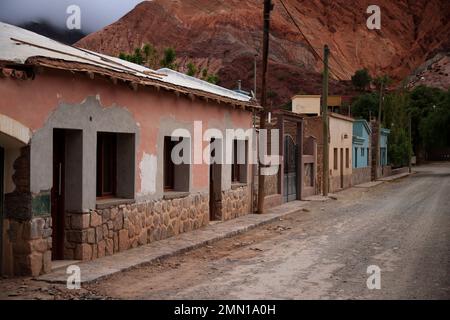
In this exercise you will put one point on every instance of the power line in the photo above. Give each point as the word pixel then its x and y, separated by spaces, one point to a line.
pixel 315 53
pixel 337 62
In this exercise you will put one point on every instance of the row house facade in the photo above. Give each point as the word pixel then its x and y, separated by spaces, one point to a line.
pixel 351 143
pixel 86 145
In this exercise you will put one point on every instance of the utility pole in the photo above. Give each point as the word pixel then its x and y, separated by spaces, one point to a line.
pixel 267 8
pixel 380 108
pixel 255 66
pixel 410 143
pixel 325 123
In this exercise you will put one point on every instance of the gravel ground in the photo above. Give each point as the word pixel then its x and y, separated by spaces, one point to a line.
pixel 323 252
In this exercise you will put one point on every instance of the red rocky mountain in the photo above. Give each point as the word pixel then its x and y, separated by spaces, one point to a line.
pixel 224 36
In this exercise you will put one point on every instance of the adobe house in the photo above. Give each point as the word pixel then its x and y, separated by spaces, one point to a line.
pixel 340 144
pixel 86 144
pixel 361 152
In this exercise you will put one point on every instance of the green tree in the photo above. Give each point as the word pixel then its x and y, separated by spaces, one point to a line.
pixel 192 69
pixel 365 106
pixel 151 56
pixel 361 79
pixel 168 60
pixel 123 56
pixel 434 126
pixel 397 120
pixel 138 59
pixel 213 78
pixel 204 74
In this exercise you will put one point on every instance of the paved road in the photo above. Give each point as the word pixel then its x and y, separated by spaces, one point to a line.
pixel 402 227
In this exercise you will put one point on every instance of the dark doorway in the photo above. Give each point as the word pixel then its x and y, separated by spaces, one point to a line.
pixel 2 168
pixel 57 194
pixel 106 164
pixel 67 190
pixel 290 169
pixel 215 181
pixel 342 168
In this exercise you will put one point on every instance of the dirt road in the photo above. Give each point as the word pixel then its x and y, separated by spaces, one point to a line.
pixel 402 227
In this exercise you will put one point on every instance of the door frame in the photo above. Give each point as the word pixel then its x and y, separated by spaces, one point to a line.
pixel 215 171
pixel 2 202
pixel 283 116
pixel 58 194
pixel 287 155
pixel 342 168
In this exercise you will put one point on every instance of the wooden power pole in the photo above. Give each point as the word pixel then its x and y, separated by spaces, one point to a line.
pixel 325 122
pixel 380 108
pixel 410 143
pixel 267 8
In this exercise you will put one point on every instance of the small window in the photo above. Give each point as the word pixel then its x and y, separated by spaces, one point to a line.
pixel 176 176
pixel 335 166
pixel 347 158
pixel 239 165
pixel 115 163
pixel 106 164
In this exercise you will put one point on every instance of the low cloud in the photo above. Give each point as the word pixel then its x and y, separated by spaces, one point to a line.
pixel 95 14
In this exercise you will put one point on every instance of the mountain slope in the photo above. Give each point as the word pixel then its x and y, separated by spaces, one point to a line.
pixel 224 36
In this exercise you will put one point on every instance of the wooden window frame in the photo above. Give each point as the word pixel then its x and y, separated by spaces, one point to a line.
pixel 347 158
pixel 235 169
pixel 101 156
pixel 235 166
pixel 335 160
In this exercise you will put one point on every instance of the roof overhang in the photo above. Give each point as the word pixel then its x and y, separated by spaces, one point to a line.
pixel 130 78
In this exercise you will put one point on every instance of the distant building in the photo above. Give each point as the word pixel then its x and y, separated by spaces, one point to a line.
pixel 311 104
pixel 361 144
pixel 361 152
pixel 341 128
pixel 341 132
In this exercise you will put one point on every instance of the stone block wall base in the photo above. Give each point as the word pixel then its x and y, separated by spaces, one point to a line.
pixel 104 232
pixel 29 246
pixel 235 203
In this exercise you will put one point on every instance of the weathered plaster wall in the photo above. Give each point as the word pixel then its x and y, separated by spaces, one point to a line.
pixel 62 101
pixel 341 138
pixel 312 127
pixel 59 100
pixel 361 175
pixel 90 117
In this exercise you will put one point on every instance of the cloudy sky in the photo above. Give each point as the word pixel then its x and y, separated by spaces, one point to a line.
pixel 95 14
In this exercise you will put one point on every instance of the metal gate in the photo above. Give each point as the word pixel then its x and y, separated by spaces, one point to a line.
pixel 290 169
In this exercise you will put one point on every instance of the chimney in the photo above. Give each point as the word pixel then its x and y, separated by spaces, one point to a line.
pixel 239 85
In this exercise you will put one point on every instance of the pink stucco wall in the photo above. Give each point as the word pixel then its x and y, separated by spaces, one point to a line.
pixel 30 102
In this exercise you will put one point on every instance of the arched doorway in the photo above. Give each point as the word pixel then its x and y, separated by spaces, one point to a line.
pixel 13 137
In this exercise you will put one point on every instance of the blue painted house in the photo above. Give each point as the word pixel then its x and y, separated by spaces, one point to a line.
pixel 361 144
pixel 383 146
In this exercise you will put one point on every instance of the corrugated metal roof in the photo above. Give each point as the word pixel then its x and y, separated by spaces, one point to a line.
pixel 184 80
pixel 18 45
